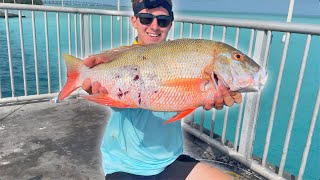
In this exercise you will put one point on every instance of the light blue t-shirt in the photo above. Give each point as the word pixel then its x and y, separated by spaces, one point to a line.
pixel 136 141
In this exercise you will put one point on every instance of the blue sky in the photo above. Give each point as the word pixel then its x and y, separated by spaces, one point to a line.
pixel 307 7
pixel 265 6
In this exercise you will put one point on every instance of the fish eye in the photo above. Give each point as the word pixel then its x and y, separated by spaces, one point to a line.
pixel 238 56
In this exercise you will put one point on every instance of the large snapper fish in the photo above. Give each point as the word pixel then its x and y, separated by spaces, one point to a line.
pixel 178 75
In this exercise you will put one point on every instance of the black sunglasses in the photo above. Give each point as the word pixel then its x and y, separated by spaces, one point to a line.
pixel 147 19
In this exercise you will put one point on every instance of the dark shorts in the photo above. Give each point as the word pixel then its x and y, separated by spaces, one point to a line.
pixel 179 169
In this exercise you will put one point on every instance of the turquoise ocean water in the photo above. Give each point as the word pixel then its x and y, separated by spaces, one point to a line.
pixel 308 91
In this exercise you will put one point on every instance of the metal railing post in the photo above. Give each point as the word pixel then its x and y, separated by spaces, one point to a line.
pixel 86 39
pixel 249 117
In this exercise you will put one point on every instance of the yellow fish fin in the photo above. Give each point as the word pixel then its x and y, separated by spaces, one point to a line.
pixel 105 99
pixel 179 116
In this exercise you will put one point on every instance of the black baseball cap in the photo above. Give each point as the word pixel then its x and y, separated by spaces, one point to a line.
pixel 149 4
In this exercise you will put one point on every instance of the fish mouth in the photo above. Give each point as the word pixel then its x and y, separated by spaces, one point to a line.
pixel 260 80
pixel 252 88
pixel 257 85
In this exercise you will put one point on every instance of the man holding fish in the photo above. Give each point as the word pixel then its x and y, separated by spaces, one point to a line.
pixel 137 144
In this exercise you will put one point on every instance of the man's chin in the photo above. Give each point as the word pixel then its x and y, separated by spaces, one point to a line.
pixel 155 40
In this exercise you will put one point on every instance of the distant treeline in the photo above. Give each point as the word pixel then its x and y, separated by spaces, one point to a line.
pixel 36 2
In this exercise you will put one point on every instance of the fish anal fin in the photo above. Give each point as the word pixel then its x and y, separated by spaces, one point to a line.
pixel 179 116
pixel 105 99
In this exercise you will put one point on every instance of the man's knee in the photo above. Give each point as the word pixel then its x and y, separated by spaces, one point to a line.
pixel 207 171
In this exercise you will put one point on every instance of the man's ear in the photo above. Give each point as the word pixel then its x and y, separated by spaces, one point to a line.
pixel 134 21
pixel 170 25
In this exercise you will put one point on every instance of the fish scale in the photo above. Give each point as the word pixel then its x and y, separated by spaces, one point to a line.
pixel 170 76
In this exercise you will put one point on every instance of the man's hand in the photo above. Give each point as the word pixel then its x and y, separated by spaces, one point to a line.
pixel 87 85
pixel 223 97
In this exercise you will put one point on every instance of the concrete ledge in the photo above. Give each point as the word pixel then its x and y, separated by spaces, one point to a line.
pixel 46 140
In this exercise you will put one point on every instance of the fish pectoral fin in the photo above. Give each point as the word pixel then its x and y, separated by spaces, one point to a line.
pixel 179 116
pixel 105 99
pixel 184 82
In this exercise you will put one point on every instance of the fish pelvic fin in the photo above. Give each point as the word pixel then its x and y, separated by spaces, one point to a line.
pixel 179 116
pixel 73 67
pixel 105 99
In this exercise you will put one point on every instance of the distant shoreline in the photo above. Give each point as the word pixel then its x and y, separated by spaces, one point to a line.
pixel 10 15
pixel 250 13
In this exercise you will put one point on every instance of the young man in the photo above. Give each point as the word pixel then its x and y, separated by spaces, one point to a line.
pixel 136 143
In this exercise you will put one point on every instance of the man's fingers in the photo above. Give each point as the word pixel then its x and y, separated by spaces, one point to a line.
pixel 93 61
pixel 237 97
pixel 86 85
pixel 90 61
pixel 228 100
pixel 218 99
pixel 218 107
pixel 103 90
pixel 95 87
pixel 102 58
pixel 208 105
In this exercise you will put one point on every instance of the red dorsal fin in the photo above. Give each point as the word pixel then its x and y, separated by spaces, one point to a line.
pixel 73 66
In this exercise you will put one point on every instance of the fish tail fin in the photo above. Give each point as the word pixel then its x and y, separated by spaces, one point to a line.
pixel 73 71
